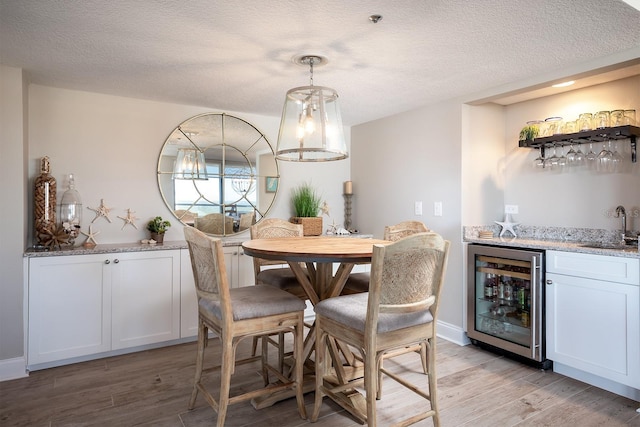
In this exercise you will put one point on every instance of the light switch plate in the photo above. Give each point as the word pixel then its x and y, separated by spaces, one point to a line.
pixel 511 209
pixel 437 208
pixel 418 208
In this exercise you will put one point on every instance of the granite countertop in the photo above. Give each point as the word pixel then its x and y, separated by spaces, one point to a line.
pixel 554 238
pixel 140 247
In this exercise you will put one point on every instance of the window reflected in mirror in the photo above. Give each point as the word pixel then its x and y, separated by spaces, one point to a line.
pixel 212 173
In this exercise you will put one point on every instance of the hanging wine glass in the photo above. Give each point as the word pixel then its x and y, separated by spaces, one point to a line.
pixel 591 156
pixel 571 155
pixel 552 161
pixel 616 159
pixel 605 158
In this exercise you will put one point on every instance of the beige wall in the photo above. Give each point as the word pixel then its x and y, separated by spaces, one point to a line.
pixel 12 194
pixel 112 145
pixel 412 157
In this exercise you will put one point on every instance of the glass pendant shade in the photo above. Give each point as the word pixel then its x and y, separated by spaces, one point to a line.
pixel 190 164
pixel 311 126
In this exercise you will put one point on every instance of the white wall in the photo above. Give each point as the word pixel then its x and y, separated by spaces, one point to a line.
pixel 414 156
pixel 13 196
pixel 112 145
pixel 575 198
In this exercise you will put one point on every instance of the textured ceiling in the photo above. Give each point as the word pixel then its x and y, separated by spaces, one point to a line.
pixel 236 55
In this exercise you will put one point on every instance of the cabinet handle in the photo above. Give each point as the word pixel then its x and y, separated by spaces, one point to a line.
pixel 116 260
pixel 549 282
pixel 107 262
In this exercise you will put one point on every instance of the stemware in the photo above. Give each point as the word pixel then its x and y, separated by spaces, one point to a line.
pixel 562 159
pixel 571 155
pixel 551 161
pixel 616 159
pixel 538 162
pixel 591 156
pixel 605 158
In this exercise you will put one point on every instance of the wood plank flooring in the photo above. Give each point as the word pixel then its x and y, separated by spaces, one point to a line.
pixel 151 388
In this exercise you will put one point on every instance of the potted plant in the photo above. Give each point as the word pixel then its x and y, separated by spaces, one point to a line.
pixel 528 134
pixel 306 205
pixel 158 226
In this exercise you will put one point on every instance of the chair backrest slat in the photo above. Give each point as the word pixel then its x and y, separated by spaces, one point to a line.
pixel 269 228
pixel 407 275
pixel 403 229
pixel 209 270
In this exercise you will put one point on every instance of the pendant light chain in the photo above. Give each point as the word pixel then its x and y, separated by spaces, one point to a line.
pixel 311 71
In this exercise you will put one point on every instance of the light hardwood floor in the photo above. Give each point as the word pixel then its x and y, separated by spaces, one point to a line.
pixel 152 388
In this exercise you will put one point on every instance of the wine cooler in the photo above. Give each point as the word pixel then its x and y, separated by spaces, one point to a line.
pixel 505 309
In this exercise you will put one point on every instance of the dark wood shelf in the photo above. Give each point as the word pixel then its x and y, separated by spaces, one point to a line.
pixel 586 137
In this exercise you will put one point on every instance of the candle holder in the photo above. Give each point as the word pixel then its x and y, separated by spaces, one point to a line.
pixel 347 211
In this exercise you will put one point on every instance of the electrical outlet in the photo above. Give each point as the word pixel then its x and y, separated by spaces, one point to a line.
pixel 418 208
pixel 511 209
pixel 437 208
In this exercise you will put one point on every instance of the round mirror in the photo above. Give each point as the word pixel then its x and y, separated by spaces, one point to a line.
pixel 218 173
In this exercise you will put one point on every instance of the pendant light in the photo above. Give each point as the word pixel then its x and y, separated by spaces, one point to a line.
pixel 190 162
pixel 311 125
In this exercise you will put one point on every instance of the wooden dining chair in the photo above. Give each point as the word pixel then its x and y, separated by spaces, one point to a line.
pixel 269 272
pixel 359 282
pixel 235 314
pixel 399 311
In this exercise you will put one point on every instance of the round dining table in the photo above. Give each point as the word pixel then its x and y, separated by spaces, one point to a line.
pixel 318 253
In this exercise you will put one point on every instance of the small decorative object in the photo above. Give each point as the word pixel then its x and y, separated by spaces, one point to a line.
pixel 158 226
pixel 101 211
pixel 529 133
pixel 129 219
pixel 54 237
pixel 306 205
pixel 91 240
pixel 348 194
pixel 507 225
pixel 71 211
pixel 271 184
pixel 44 203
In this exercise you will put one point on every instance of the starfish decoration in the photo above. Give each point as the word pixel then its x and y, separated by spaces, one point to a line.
pixel 333 228
pixel 507 225
pixel 102 210
pixel 129 219
pixel 325 208
pixel 91 241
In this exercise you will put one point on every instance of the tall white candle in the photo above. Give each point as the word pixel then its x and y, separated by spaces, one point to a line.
pixel 348 187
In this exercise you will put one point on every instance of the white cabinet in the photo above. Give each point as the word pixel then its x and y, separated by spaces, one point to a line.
pixel 86 304
pixel 593 315
pixel 239 273
pixel 145 298
pixel 69 307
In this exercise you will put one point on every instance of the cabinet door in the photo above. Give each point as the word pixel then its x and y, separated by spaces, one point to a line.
pixel 146 298
pixel 246 274
pixel 231 264
pixel 188 298
pixel 594 326
pixel 69 307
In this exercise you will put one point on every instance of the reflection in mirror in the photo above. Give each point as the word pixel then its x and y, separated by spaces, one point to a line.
pixel 212 173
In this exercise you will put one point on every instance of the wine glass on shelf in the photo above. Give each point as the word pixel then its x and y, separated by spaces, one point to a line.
pixel 591 156
pixel 616 159
pixel 571 155
pixel 538 162
pixel 605 158
pixel 580 157
pixel 551 162
pixel 562 159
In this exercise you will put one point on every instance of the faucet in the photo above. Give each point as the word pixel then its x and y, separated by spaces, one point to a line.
pixel 621 213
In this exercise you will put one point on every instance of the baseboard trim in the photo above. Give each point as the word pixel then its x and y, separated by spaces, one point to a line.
pixel 12 369
pixel 452 333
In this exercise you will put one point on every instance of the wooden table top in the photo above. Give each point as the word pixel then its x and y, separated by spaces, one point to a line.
pixel 313 249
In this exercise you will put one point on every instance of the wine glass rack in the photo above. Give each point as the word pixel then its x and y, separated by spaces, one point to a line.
pixel 585 137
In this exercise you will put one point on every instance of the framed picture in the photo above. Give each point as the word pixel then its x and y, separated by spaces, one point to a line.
pixel 271 184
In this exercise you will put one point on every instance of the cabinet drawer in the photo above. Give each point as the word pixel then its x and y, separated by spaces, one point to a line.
pixel 600 267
